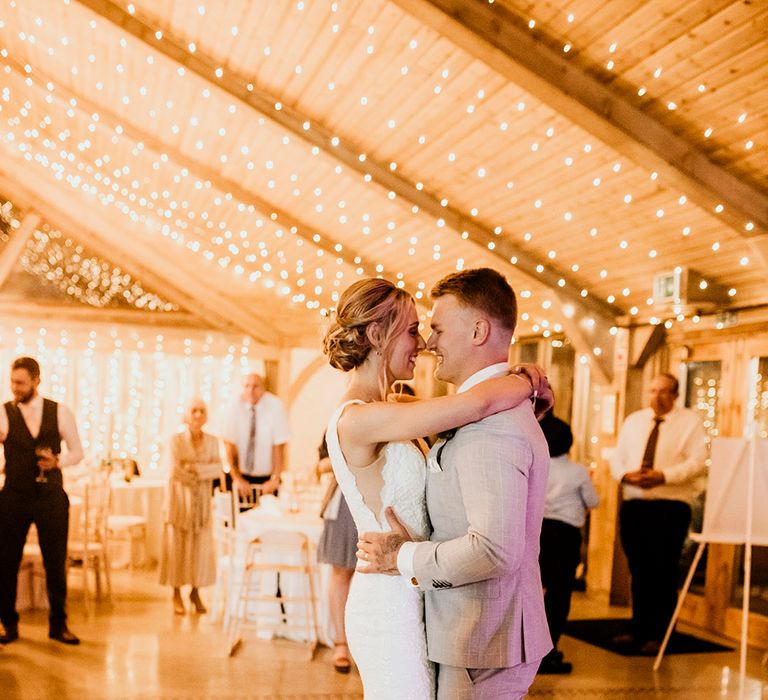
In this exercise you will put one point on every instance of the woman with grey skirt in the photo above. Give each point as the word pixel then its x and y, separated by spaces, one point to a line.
pixel 337 547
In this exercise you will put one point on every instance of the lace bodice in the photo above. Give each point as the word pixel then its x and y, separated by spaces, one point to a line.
pixel 404 475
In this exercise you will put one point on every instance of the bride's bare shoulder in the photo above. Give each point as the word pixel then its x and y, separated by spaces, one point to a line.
pixel 349 409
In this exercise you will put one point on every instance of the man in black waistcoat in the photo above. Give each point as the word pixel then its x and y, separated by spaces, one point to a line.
pixel 31 430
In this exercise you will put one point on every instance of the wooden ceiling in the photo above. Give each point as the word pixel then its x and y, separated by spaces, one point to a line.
pixel 248 160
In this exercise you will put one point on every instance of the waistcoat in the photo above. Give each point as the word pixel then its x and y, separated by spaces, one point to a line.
pixel 20 459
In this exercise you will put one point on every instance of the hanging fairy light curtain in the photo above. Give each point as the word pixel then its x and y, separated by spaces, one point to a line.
pixel 127 385
pixel 129 388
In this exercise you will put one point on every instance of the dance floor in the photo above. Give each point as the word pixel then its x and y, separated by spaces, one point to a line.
pixel 139 649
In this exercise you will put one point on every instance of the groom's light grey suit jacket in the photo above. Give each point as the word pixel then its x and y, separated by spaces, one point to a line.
pixel 484 601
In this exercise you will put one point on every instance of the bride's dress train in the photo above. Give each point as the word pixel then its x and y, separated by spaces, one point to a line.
pixel 385 614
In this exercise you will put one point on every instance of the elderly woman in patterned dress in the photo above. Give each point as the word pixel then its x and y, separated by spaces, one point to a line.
pixel 188 550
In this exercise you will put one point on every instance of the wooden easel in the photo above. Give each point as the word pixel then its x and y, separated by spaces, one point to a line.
pixel 738 470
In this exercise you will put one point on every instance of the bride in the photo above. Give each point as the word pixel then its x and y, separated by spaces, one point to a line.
pixel 371 442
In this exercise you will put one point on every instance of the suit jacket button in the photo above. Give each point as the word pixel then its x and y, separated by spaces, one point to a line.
pixel 414 581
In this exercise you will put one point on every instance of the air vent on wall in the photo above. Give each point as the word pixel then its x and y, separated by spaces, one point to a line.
pixel 685 287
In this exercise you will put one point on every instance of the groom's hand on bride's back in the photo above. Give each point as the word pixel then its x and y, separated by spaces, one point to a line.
pixel 378 550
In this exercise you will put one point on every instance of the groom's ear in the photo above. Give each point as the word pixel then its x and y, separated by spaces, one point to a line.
pixel 481 331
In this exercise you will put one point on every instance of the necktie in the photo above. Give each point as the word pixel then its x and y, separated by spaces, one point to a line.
pixel 250 452
pixel 650 446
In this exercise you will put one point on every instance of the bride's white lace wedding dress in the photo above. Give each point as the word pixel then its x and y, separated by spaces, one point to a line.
pixel 385 614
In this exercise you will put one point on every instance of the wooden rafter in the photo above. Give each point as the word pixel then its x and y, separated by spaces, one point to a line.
pixel 240 88
pixel 20 307
pixel 13 249
pixel 93 230
pixel 759 248
pixel 494 35
pixel 204 172
pixel 646 341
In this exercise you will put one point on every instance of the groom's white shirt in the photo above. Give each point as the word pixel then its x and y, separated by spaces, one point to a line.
pixel 408 549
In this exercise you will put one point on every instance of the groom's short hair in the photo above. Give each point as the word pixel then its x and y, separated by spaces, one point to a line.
pixel 484 289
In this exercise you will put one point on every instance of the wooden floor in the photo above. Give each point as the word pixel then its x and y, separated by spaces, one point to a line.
pixel 139 649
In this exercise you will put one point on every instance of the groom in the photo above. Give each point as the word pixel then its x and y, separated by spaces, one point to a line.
pixel 486 626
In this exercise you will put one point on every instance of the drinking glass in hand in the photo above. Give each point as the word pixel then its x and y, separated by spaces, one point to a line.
pixel 41 451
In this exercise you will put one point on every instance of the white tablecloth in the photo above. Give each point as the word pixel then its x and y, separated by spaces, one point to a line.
pixel 142 496
pixel 269 516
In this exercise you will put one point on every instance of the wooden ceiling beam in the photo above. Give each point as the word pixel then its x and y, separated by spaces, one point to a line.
pixel 19 310
pixel 110 120
pixel 493 34
pixel 13 249
pixel 646 340
pixel 90 228
pixel 343 150
pixel 22 308
pixel 758 246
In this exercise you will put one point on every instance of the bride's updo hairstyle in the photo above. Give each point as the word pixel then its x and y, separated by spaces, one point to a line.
pixel 366 301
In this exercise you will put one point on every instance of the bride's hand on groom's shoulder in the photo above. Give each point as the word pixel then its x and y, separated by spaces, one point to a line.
pixel 536 375
pixel 543 397
pixel 379 549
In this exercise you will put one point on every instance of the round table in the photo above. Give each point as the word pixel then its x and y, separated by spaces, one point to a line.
pixel 143 496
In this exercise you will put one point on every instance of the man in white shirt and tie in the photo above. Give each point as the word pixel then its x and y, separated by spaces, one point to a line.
pixel 32 429
pixel 255 436
pixel 660 454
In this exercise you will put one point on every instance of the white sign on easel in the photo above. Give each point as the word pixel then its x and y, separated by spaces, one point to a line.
pixel 726 516
pixel 737 473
